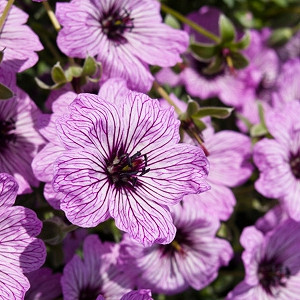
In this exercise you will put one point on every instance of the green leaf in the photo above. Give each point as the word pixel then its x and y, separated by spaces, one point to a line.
pixel 204 51
pixel 57 74
pixel 216 112
pixel 247 123
pixel 227 29
pixel 239 61
pixel 198 123
pixel 215 66
pixel 73 71
pixel 229 3
pixel 243 43
pixel 89 66
pixel 192 107
pixel 280 36
pixel 45 86
pixel 172 22
pixel 5 92
pixel 258 130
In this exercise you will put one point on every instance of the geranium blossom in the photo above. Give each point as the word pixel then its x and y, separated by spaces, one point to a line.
pixel 192 259
pixel 278 159
pixel 19 140
pixel 44 285
pixel 17 41
pixel 97 275
pixel 126 36
pixel 20 250
pixel 123 160
pixel 271 262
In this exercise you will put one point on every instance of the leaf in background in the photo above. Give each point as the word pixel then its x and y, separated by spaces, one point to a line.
pixel 239 61
pixel 172 22
pixel 244 42
pixel 227 29
pixel 204 51
pixel 58 74
pixel 5 92
pixel 215 66
pixel 216 112
pixel 280 36
pixel 89 67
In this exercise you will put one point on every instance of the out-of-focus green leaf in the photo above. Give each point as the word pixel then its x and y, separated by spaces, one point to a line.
pixel 5 92
pixel 171 21
pixel 73 71
pixel 229 3
pixel 204 51
pixel 192 107
pixel 216 112
pixel 215 66
pixel 198 123
pixel 227 29
pixel 258 130
pixel 239 61
pixel 280 36
pixel 45 86
pixel 58 74
pixel 89 66
pixel 243 43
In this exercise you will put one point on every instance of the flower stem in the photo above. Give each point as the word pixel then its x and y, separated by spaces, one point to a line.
pixel 52 16
pixel 190 131
pixel 5 13
pixel 198 139
pixel 192 24
pixel 70 228
pixel 165 95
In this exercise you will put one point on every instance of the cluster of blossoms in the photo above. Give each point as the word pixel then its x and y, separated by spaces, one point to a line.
pixel 132 191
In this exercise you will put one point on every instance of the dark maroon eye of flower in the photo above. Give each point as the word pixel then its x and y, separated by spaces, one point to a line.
pixel 7 133
pixel 295 164
pixel 124 169
pixel 181 239
pixel 272 275
pixel 115 23
pixel 89 293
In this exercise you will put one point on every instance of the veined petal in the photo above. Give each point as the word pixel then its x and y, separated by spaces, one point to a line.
pixel 81 177
pixel 8 190
pixel 146 221
pixel 13 284
pixel 169 168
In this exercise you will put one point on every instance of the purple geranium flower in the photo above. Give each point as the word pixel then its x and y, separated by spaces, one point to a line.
pixel 288 87
pixel 138 295
pixel 44 285
pixel 122 160
pixel 97 274
pixel 192 259
pixel 17 40
pixel 20 250
pixel 126 36
pixel 272 263
pixel 278 159
pixel 271 219
pixel 19 141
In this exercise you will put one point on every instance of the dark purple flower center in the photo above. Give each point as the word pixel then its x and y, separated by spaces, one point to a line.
pixel 6 133
pixel 89 293
pixel 124 170
pixel 295 164
pixel 176 246
pixel 272 275
pixel 115 23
